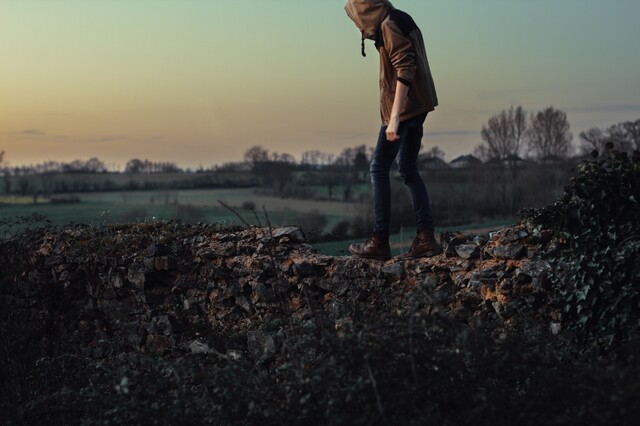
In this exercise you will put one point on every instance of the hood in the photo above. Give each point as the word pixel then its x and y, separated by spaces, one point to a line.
pixel 368 15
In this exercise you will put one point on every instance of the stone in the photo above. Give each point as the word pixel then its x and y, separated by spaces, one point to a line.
pixel 474 284
pixel 244 303
pixel 264 294
pixel 468 251
pixel 512 235
pixel 449 244
pixel 158 344
pixel 509 251
pixel 198 347
pixel 136 275
pixel 430 282
pixel 536 268
pixel 261 346
pixel 115 279
pixel 160 325
pixel 394 270
pixel 481 240
pixel 293 233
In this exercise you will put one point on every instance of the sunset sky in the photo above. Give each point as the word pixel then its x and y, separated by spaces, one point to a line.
pixel 199 81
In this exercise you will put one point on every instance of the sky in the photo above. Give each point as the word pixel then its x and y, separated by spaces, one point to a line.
pixel 198 82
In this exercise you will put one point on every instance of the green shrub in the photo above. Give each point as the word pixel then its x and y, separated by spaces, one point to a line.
pixel 597 266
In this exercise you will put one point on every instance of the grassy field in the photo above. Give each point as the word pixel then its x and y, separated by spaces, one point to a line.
pixel 100 208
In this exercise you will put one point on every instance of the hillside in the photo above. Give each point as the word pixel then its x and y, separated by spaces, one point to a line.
pixel 168 323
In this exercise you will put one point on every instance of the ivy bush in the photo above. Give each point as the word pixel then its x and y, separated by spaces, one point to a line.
pixel 597 261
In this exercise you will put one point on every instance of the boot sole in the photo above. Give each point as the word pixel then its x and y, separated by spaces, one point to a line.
pixel 420 256
pixel 363 256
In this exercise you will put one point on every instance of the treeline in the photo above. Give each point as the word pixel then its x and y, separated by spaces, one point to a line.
pixel 542 136
pixel 92 165
pixel 546 136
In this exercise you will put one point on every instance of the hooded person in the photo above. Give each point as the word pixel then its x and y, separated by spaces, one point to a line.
pixel 407 95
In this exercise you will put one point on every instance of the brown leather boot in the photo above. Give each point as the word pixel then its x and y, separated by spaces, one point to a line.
pixel 376 247
pixel 424 245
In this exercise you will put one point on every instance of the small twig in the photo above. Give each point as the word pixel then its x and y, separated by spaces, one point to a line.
pixel 375 388
pixel 266 217
pixel 255 214
pixel 234 211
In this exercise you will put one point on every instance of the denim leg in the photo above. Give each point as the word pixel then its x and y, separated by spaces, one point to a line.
pixel 408 167
pixel 381 162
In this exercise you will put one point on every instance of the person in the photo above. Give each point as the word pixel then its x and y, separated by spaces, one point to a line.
pixel 407 95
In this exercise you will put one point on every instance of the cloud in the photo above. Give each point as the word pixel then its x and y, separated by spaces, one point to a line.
pixel 32 132
pixel 107 138
pixel 344 134
pixel 604 108
pixel 41 135
pixel 453 133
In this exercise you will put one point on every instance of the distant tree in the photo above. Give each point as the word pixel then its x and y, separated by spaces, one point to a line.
pixel 94 165
pixel 7 174
pixel 503 138
pixel 256 154
pixel 434 152
pixel 354 157
pixel 549 134
pixel 592 139
pixel 633 132
pixel 134 165
pixel 361 160
pixel 617 135
pixel 503 135
pixel 346 157
pixel 622 136
pixel 284 158
pixel 316 158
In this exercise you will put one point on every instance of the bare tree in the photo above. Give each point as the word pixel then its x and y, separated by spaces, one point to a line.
pixel 633 132
pixel 622 137
pixel 256 154
pixel 503 135
pixel 592 139
pixel 95 165
pixel 434 152
pixel 1 156
pixel 134 165
pixel 287 158
pixel 354 156
pixel 549 134
pixel 316 158
pixel 361 160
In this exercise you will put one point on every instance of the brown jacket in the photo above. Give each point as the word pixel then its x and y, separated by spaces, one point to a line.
pixel 403 56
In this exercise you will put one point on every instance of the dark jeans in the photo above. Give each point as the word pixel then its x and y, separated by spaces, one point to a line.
pixel 410 133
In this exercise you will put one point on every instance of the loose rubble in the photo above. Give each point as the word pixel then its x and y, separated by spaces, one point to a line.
pixel 169 291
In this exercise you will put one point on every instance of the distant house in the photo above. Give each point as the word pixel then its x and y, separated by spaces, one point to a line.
pixel 465 161
pixel 552 160
pixel 513 161
pixel 433 163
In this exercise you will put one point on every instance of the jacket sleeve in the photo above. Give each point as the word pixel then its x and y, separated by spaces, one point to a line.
pixel 401 52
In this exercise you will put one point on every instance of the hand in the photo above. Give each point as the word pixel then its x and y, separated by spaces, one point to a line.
pixel 392 130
